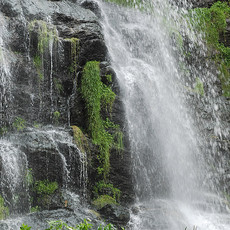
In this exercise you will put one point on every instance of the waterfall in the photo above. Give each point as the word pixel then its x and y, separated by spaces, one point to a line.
pixel 173 183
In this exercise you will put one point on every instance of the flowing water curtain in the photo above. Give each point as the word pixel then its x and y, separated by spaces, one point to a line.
pixel 14 188
pixel 5 75
pixel 161 89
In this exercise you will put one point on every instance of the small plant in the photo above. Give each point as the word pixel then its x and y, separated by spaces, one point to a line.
pixel 19 124
pixel 102 188
pixel 84 226
pixel 4 210
pixel 25 227
pixel 80 139
pixel 212 22
pixel 199 87
pixel 29 177
pixel 34 209
pixel 44 191
pixel 36 125
pixel 74 53
pixel 39 67
pixel 45 187
pixel 56 117
pixel 93 92
pixel 58 85
pixel 3 130
pixel 103 200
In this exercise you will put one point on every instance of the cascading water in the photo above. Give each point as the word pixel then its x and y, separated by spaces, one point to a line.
pixel 169 167
pixel 5 80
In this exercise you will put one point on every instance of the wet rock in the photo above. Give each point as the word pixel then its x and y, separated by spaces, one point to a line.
pixel 44 83
pixel 93 6
pixel 117 215
pixel 203 3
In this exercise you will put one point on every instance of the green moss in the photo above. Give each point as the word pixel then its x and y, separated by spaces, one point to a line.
pixel 19 124
pixel 116 133
pixel 29 177
pixel 45 187
pixel 39 67
pixel 102 188
pixel 36 125
pixel 92 90
pixel 225 78
pixel 107 97
pixel 58 85
pixel 34 209
pixel 108 78
pixel 74 53
pixel 80 139
pixel 212 22
pixel 4 210
pixel 199 87
pixel 56 116
pixel 45 33
pixel 103 200
pixel 3 130
pixel 104 133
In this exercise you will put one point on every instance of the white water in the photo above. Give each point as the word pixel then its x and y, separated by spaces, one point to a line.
pixel 172 190
pixel 13 174
pixel 5 73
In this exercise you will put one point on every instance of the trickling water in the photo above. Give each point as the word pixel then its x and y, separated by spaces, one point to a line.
pixel 51 43
pixel 5 74
pixel 169 169
pixel 13 177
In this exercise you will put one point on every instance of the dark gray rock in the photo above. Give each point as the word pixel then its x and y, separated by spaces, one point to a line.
pixel 93 6
pixel 117 215
pixel 42 83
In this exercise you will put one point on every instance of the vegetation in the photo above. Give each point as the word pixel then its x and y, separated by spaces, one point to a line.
pixel 212 22
pixel 56 115
pixel 93 93
pixel 61 225
pixel 39 67
pixel 103 200
pixel 3 130
pixel 80 139
pixel 19 124
pixel 44 191
pixel 108 189
pixel 34 209
pixel 58 85
pixel 199 87
pixel 25 227
pixel 74 53
pixel 45 187
pixel 104 133
pixel 29 177
pixel 4 210
pixel 46 33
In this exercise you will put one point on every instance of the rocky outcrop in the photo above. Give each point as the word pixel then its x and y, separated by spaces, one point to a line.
pixel 44 46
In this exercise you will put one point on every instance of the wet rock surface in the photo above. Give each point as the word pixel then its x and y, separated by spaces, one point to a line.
pixel 45 47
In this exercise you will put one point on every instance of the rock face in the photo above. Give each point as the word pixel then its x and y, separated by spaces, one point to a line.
pixel 202 3
pixel 44 46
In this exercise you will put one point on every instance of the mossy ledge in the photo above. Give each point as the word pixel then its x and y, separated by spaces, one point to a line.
pixel 98 96
pixel 212 22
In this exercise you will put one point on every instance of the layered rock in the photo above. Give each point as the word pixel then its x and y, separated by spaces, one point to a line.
pixel 45 49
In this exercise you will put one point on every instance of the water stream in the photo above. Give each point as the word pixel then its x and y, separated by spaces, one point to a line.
pixel 172 184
